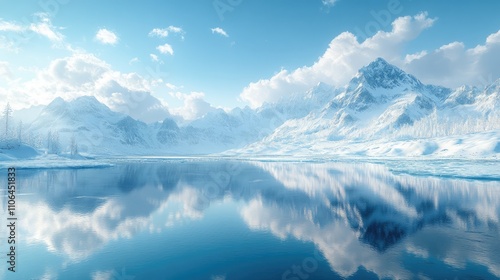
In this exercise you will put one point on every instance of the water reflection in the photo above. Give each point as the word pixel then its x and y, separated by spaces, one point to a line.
pixel 363 215
pixel 356 215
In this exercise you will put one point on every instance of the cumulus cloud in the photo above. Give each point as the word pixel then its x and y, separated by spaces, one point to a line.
pixel 158 32
pixel 45 28
pixel 450 65
pixel 165 49
pixel 220 31
pixel 106 37
pixel 41 25
pixel 164 32
pixel 85 74
pixel 154 57
pixel 194 105
pixel 344 56
pixel 453 64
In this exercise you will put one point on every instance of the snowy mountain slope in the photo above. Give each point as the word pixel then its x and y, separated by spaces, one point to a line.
pixel 94 126
pixel 379 97
pixel 381 111
pixel 98 130
pixel 382 106
pixel 219 130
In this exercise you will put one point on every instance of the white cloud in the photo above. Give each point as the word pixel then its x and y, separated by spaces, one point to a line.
pixel 85 74
pixel 220 31
pixel 42 26
pixel 133 60
pixel 173 87
pixel 45 28
pixel 158 32
pixel 165 49
pixel 164 32
pixel 450 65
pixel 194 105
pixel 410 57
pixel 154 57
pixel 10 26
pixel 175 29
pixel 344 56
pixel 453 64
pixel 106 37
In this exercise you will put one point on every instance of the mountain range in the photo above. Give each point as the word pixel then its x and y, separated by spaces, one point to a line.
pixel 381 111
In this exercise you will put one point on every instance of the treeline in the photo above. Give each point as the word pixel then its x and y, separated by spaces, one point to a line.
pixel 435 125
pixel 13 134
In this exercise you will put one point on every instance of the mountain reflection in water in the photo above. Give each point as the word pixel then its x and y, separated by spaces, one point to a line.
pixel 358 216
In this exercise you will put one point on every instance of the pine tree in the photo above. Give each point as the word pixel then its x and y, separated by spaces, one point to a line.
pixel 7 112
pixel 49 141
pixel 56 146
pixel 20 132
pixel 73 146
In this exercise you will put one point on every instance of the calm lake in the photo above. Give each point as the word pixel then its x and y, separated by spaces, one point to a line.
pixel 216 219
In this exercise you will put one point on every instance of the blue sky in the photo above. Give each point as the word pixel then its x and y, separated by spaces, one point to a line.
pixel 228 53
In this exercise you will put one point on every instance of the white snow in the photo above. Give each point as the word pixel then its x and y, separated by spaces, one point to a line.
pixel 381 112
pixel 13 150
pixel 398 117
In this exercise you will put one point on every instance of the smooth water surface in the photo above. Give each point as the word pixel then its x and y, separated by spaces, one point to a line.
pixel 196 219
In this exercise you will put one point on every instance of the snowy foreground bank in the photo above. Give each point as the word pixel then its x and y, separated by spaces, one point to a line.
pixel 23 156
pixel 472 146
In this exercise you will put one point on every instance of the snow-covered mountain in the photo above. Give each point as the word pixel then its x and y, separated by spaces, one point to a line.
pixel 381 106
pixel 381 111
pixel 98 130
pixel 379 97
pixel 94 126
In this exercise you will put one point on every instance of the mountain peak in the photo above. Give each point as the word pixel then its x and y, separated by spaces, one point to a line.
pixel 58 101
pixel 79 101
pixel 56 106
pixel 379 63
pixel 88 104
pixel 86 98
pixel 78 108
pixel 381 74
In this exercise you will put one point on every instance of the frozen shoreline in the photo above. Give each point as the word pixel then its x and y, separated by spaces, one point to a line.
pixel 453 168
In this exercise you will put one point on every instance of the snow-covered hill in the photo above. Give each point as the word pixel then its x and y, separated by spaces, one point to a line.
pixel 12 150
pixel 382 111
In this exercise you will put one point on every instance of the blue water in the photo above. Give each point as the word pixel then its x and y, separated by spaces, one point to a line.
pixel 216 219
